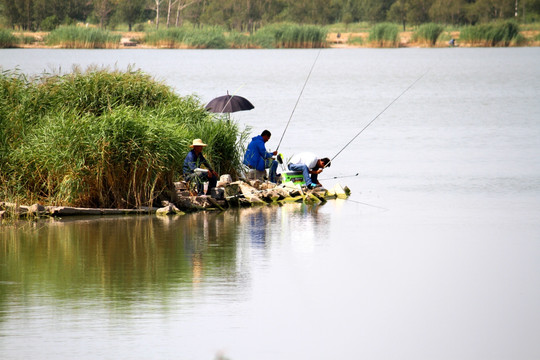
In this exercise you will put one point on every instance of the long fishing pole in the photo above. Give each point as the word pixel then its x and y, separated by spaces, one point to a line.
pixel 379 114
pixel 297 100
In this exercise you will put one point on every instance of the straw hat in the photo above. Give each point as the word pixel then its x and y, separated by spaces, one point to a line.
pixel 197 142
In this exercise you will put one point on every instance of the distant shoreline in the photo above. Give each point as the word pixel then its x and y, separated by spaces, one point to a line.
pixel 133 40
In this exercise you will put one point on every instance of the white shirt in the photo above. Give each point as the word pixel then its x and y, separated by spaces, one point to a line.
pixel 305 158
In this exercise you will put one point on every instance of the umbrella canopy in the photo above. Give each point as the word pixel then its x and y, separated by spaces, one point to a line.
pixel 228 104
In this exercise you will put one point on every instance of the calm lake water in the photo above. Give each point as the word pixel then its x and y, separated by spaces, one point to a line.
pixel 434 256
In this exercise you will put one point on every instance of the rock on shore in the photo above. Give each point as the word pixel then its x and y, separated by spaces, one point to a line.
pixel 226 195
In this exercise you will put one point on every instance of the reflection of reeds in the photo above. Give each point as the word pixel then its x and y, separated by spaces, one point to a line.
pixel 495 34
pixel 119 258
pixel 74 37
pixel 428 33
pixel 384 35
pixel 102 139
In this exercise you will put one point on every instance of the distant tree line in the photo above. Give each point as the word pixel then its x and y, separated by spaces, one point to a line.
pixel 248 15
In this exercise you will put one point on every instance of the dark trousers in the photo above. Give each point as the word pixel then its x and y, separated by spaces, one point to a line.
pixel 199 181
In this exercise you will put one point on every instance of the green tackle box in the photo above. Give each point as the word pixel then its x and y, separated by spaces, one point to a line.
pixel 295 177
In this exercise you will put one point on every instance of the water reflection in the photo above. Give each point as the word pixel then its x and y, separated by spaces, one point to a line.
pixel 123 260
pixel 120 259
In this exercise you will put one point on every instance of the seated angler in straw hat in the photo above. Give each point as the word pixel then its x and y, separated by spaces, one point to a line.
pixel 192 171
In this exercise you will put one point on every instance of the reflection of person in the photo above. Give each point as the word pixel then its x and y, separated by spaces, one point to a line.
pixel 256 155
pixel 310 166
pixel 194 160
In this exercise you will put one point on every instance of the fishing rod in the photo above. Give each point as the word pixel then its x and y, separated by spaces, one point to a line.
pixel 297 100
pixel 379 114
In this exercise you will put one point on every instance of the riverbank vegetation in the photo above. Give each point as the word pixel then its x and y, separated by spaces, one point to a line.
pixel 282 35
pixel 495 34
pixel 384 35
pixel 267 23
pixel 73 37
pixel 428 34
pixel 251 15
pixel 102 138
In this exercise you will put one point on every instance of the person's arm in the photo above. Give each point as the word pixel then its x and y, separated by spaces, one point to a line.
pixel 205 162
pixel 261 149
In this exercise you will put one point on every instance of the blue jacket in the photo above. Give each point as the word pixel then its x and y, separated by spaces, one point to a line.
pixel 256 153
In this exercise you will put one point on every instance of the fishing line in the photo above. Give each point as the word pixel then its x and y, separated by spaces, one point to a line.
pixel 339 177
pixel 233 94
pixel 379 114
pixel 297 100
pixel 363 203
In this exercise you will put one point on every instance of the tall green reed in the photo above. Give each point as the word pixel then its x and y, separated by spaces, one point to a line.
pixel 75 37
pixel 7 39
pixel 428 33
pixel 103 138
pixel 384 35
pixel 210 37
pixel 285 35
pixel 493 34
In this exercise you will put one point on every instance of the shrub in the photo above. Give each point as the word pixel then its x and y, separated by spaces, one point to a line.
pixel 49 23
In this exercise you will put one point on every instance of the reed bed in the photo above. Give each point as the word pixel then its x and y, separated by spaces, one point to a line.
pixel 188 37
pixel 494 34
pixel 75 37
pixel 428 34
pixel 103 138
pixel 286 35
pixel 384 35
pixel 7 39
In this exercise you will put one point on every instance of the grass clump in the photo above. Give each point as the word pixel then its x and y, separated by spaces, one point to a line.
pixel 355 40
pixel 102 138
pixel 7 39
pixel 188 37
pixel 493 34
pixel 384 35
pixel 286 35
pixel 74 37
pixel 428 34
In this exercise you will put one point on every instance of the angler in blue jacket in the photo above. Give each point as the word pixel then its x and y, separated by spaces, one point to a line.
pixel 256 154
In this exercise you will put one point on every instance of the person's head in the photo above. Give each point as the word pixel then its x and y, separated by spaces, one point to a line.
pixel 197 145
pixel 266 135
pixel 323 163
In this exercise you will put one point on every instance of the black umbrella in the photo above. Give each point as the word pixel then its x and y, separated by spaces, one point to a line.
pixel 228 104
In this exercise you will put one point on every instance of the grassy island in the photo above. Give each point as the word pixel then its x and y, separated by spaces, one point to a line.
pixel 102 138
